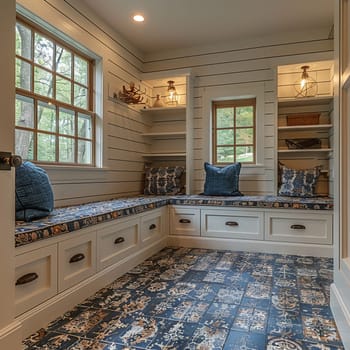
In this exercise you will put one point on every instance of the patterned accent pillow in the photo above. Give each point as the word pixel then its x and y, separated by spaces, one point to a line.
pixel 222 181
pixel 299 182
pixel 163 180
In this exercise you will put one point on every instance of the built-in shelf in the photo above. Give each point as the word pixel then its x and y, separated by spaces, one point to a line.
pixel 163 109
pixel 306 127
pixel 305 150
pixel 305 101
pixel 167 155
pixel 167 133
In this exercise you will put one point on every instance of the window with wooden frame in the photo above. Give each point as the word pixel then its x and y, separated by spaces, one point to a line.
pixel 55 122
pixel 234 131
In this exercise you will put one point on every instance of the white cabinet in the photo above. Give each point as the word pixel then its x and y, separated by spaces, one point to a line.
pixel 35 277
pixel 77 259
pixel 284 231
pixel 184 221
pixel 169 128
pixel 247 224
pixel 47 268
pixel 298 227
pixel 116 241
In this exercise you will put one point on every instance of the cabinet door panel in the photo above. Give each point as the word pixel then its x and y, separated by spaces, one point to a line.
pixel 232 224
pixel 299 228
pixel 184 221
pixel 35 278
pixel 152 226
pixel 117 241
pixel 77 259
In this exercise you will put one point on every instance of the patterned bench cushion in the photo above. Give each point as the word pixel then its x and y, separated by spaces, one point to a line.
pixel 69 219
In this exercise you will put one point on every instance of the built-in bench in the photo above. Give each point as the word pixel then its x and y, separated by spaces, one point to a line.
pixel 90 245
pixel 73 218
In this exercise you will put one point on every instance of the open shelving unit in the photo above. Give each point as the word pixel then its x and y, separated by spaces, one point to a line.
pixel 168 128
pixel 322 104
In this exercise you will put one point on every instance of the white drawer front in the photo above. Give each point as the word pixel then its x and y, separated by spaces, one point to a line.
pixel 299 227
pixel 117 241
pixel 232 224
pixel 152 227
pixel 36 278
pixel 184 221
pixel 77 259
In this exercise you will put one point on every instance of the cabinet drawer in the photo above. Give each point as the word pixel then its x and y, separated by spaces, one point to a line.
pixel 77 259
pixel 152 227
pixel 299 227
pixel 232 224
pixel 184 221
pixel 35 278
pixel 117 241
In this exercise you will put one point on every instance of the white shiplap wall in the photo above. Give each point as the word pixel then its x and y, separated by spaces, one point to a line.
pixel 241 67
pixel 121 142
pixel 250 65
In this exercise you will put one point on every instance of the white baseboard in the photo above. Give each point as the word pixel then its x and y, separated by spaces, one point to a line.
pixel 341 315
pixel 44 313
pixel 252 246
pixel 10 336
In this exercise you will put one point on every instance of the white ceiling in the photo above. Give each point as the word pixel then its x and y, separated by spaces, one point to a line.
pixel 179 24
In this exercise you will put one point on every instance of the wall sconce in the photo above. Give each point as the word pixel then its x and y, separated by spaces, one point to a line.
pixel 306 86
pixel 173 97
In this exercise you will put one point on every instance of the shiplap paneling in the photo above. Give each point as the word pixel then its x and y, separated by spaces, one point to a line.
pixel 239 67
pixel 123 144
pixel 122 126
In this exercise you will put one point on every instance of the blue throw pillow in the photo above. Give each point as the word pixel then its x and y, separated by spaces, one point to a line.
pixel 222 181
pixel 34 196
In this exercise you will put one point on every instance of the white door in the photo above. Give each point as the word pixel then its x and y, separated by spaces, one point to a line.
pixel 8 327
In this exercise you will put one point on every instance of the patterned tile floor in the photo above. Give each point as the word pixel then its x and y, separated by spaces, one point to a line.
pixel 203 299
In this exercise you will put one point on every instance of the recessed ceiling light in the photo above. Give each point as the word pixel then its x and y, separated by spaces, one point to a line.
pixel 138 18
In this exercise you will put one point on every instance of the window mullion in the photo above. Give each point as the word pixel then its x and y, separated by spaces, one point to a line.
pixel 72 70
pixel 32 60
pixel 35 133
pixel 76 138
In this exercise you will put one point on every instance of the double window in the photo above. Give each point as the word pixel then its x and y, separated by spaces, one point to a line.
pixel 233 129
pixel 54 106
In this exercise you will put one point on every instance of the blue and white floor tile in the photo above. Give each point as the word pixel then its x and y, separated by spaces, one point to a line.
pixel 199 299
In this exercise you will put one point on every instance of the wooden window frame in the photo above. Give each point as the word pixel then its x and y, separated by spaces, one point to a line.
pixel 251 102
pixel 57 104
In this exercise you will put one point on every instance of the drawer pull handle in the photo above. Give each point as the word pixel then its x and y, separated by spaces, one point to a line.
pixel 184 221
pixel 119 240
pixel 77 257
pixel 29 277
pixel 298 227
pixel 152 227
pixel 231 223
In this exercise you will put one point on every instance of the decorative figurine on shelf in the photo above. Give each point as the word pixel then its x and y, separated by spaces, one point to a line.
pixel 132 95
pixel 158 102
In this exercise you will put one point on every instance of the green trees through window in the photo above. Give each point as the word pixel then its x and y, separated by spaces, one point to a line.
pixel 54 118
pixel 234 131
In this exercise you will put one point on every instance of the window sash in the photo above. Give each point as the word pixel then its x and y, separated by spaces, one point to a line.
pixel 234 104
pixel 74 83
